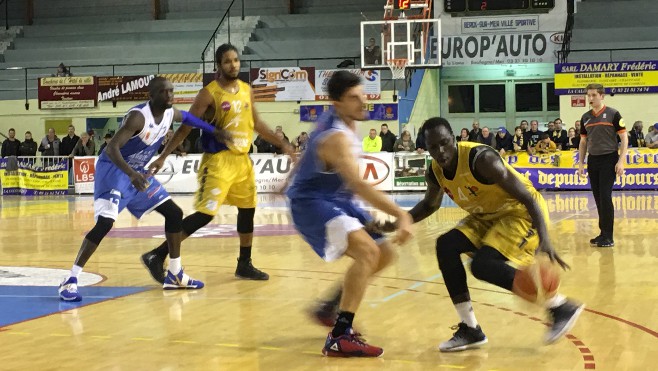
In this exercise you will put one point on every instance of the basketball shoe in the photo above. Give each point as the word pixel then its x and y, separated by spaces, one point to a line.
pixel 324 313
pixel 349 344
pixel 68 290
pixel 247 271
pixel 563 317
pixel 465 338
pixel 180 281
pixel 155 265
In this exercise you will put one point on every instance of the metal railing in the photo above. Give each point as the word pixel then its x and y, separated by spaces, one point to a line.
pixel 213 37
pixel 6 2
pixel 563 54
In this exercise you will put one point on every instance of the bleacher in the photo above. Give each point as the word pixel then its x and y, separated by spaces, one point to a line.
pixel 622 30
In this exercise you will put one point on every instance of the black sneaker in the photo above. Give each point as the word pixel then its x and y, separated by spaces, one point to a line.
pixel 563 318
pixel 605 242
pixel 155 265
pixel 247 271
pixel 465 338
pixel 595 240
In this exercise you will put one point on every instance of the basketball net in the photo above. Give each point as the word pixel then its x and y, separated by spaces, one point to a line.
pixel 398 67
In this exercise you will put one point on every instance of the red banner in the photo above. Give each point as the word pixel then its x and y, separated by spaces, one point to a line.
pixel 67 92
pixel 123 88
pixel 84 169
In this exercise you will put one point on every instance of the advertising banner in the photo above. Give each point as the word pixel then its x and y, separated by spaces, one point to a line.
pixel 616 77
pixel 376 112
pixel 67 92
pixel 502 48
pixel 278 84
pixel 371 80
pixel 84 169
pixel 410 168
pixel 520 23
pixel 35 180
pixel 135 88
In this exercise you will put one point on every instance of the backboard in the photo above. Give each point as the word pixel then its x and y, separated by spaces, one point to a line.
pixel 416 40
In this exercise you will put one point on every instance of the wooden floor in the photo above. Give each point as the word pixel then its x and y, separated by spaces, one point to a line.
pixel 244 325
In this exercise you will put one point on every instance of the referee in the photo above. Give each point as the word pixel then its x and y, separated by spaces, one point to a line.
pixel 598 132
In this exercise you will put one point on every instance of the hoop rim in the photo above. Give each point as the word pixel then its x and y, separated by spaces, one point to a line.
pixel 397 62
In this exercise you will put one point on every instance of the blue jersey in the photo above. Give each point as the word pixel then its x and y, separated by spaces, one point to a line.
pixel 139 149
pixel 312 179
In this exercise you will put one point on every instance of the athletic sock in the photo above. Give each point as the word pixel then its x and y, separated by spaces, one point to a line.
pixel 466 314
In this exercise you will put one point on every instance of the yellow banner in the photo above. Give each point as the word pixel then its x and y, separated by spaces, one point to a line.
pixel 637 158
pixel 608 79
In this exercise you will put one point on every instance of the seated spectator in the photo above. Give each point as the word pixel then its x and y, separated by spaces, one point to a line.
pixel 300 142
pixel 373 142
pixel 475 135
pixel 635 136
pixel 404 144
pixel 28 146
pixel 106 139
pixel 518 139
pixel 463 136
pixel 651 139
pixel 263 146
pixel 551 128
pixel 531 137
pixel 488 138
pixel 62 71
pixel 560 136
pixel 573 139
pixel 279 128
pixel 504 141
pixel 84 147
pixel 11 145
pixel 545 144
pixel 282 137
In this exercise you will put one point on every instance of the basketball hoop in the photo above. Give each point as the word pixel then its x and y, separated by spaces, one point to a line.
pixel 397 67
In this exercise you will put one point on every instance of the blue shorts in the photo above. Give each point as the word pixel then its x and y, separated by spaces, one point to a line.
pixel 113 192
pixel 325 224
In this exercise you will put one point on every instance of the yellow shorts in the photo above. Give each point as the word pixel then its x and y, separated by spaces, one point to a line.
pixel 512 235
pixel 225 178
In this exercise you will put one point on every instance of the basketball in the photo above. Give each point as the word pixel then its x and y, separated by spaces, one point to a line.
pixel 537 281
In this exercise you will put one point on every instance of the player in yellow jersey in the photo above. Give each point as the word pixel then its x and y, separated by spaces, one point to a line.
pixel 226 174
pixel 507 221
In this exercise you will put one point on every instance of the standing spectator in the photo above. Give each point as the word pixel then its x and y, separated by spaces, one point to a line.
pixel 518 140
pixel 636 137
pixel 574 140
pixel 372 53
pixel 373 142
pixel 524 126
pixel 62 71
pixel 560 136
pixel 476 134
pixel 11 145
pixel 263 146
pixel 599 131
pixel 69 142
pixel 488 138
pixel 651 140
pixel 531 137
pixel 463 135
pixel 50 144
pixel 84 147
pixel 107 139
pixel 300 142
pixel 388 139
pixel 503 141
pixel 404 144
pixel 28 146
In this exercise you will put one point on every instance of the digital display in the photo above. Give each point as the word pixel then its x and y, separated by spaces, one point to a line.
pixel 454 6
pixel 401 4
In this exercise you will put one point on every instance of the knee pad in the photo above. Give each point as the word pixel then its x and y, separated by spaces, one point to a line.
pixel 195 222
pixel 100 230
pixel 246 220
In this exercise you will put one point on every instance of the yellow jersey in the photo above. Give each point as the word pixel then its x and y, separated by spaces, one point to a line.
pixel 233 113
pixel 483 201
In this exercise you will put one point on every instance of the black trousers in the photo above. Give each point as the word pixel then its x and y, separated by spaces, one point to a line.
pixel 601 169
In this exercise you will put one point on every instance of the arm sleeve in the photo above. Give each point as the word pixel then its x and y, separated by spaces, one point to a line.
pixel 195 122
pixel 618 122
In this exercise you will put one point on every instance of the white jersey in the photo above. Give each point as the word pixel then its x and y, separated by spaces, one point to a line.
pixel 139 149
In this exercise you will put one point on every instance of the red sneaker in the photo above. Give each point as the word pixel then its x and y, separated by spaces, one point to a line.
pixel 324 314
pixel 349 345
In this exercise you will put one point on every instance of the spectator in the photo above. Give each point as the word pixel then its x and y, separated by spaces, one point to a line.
pixel 84 147
pixel 560 136
pixel 531 137
pixel 558 121
pixel 63 71
pixel 576 125
pixel 50 144
pixel 545 144
pixel 373 142
pixel 279 134
pixel 372 53
pixel 301 141
pixel 551 128
pixel 573 139
pixel 518 140
pixel 29 146
pixel 651 139
pixel 69 142
pixel 107 139
pixel 404 144
pixel 488 138
pixel 388 139
pixel 523 126
pixel 420 141
pixel 463 136
pixel 11 145
pixel 263 146
pixel 504 141
pixel 476 134
pixel 279 128
pixel 635 136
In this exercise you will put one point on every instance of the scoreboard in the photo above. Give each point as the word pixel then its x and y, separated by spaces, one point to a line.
pixel 460 6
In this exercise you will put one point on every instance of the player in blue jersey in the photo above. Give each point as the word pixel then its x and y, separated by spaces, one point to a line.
pixel 326 215
pixel 122 181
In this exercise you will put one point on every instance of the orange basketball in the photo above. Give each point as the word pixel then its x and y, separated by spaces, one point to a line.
pixel 524 284
pixel 550 278
pixel 537 281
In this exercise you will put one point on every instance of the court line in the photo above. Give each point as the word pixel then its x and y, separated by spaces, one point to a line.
pixel 414 286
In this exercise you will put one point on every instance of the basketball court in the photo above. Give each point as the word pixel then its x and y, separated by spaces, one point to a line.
pixel 126 321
